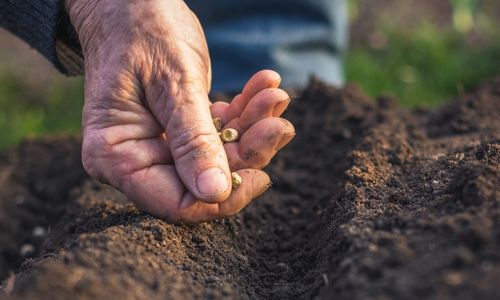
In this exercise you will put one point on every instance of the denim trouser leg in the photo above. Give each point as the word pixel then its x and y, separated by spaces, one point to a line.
pixel 294 37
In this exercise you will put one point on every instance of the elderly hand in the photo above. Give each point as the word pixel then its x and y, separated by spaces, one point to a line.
pixel 147 119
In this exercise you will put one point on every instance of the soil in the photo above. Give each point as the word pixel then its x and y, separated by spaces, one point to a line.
pixel 371 201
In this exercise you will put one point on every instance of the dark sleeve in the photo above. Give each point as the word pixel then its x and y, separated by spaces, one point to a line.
pixel 45 26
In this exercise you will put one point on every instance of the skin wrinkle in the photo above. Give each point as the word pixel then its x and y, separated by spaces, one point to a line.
pixel 102 152
pixel 117 134
pixel 124 173
pixel 121 92
pixel 90 20
pixel 175 91
pixel 163 108
pixel 102 117
pixel 81 15
pixel 143 160
pixel 128 85
pixel 140 89
pixel 199 144
pixel 89 155
pixel 129 168
pixel 147 69
pixel 172 61
pixel 120 167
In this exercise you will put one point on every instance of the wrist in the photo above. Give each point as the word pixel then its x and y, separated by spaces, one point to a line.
pixel 85 18
pixel 78 11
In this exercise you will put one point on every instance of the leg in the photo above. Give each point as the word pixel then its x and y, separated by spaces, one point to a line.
pixel 294 37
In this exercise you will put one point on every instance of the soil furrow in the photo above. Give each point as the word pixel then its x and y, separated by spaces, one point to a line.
pixel 370 201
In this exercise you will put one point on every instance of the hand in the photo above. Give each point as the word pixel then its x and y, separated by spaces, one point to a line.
pixel 147 119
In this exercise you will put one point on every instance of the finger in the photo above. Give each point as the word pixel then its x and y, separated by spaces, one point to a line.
pixel 270 102
pixel 109 163
pixel 144 152
pixel 254 183
pixel 261 80
pixel 260 144
pixel 157 190
pixel 196 148
pixel 219 109
pixel 120 120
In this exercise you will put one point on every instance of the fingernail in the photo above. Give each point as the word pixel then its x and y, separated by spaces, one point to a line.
pixel 212 182
pixel 285 140
pixel 280 107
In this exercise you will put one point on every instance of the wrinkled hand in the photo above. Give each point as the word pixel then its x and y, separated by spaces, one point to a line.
pixel 147 119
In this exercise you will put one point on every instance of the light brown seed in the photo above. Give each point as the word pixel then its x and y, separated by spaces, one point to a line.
pixel 217 124
pixel 26 250
pixel 39 231
pixel 236 180
pixel 229 135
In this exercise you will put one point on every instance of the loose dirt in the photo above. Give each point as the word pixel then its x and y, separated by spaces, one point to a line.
pixel 370 201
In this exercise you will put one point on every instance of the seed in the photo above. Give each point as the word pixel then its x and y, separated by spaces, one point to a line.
pixel 229 135
pixel 236 180
pixel 217 124
pixel 27 250
pixel 39 231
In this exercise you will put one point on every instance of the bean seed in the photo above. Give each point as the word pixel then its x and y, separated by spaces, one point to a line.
pixel 217 124
pixel 236 180
pixel 27 250
pixel 229 135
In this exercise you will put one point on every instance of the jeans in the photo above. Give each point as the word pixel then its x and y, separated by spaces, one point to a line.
pixel 296 38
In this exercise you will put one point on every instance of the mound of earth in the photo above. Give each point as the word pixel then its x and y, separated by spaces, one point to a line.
pixel 371 201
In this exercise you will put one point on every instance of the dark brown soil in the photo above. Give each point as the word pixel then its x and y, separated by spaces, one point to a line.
pixel 369 202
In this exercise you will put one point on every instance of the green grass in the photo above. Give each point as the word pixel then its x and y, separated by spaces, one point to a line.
pixel 425 67
pixel 25 111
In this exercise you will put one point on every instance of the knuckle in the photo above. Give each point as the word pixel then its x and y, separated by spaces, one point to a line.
pixel 194 145
pixel 102 160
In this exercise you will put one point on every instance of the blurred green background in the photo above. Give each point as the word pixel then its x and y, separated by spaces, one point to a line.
pixel 423 52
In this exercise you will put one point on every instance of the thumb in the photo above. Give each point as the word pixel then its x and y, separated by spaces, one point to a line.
pixel 198 153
